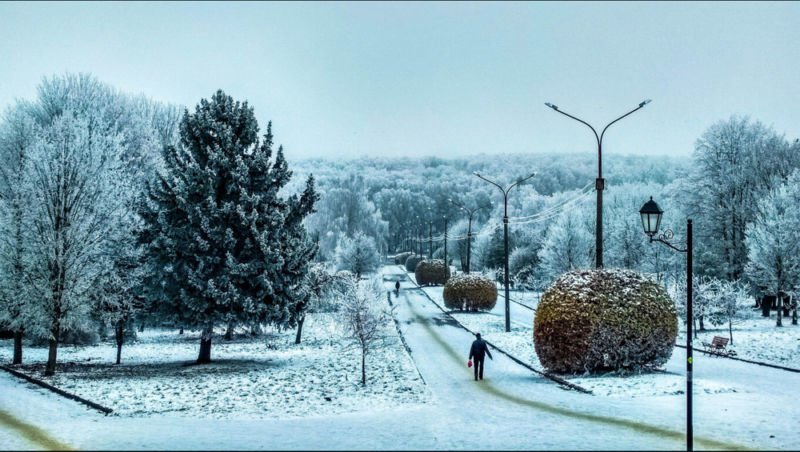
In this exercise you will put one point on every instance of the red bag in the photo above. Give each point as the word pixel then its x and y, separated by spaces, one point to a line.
pixel 469 363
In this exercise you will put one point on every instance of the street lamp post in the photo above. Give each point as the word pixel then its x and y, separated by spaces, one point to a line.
pixel 599 184
pixel 651 221
pixel 470 212
pixel 447 267
pixel 505 236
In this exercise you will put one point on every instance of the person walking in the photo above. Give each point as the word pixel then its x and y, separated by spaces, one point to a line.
pixel 479 350
pixel 396 289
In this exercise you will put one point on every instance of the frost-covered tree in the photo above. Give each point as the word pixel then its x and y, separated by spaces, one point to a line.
pixel 736 163
pixel 773 263
pixel 343 211
pixel 358 255
pixel 364 317
pixel 17 137
pixel 567 246
pixel 77 181
pixel 729 302
pixel 222 245
pixel 321 290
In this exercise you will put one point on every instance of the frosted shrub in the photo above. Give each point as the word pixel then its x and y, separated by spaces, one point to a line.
pixel 431 272
pixel 400 258
pixel 599 320
pixel 412 261
pixel 470 292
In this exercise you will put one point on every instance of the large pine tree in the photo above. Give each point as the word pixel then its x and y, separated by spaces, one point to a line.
pixel 223 247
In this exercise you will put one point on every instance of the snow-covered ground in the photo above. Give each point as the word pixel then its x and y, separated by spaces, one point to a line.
pixel 513 408
pixel 265 377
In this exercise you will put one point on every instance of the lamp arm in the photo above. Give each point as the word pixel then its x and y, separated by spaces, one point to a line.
pixel 584 122
pixel 612 122
pixel 487 180
pixel 661 240
pixel 519 182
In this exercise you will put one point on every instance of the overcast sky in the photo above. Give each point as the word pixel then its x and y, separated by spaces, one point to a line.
pixel 445 79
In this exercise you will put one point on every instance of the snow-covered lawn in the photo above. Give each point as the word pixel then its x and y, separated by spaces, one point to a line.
pixel 757 339
pixel 265 377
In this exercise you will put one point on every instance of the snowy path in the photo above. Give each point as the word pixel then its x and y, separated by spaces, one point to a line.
pixel 512 408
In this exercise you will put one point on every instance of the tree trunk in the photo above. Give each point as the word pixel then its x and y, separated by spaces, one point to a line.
pixel 120 335
pixel 779 302
pixel 17 346
pixel 255 329
pixel 730 329
pixel 363 368
pixel 50 369
pixel 299 329
pixel 141 326
pixel 229 331
pixel 205 346
pixel 702 325
pixel 181 331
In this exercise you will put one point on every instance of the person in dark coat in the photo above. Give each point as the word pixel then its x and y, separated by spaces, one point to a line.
pixel 479 350
pixel 397 289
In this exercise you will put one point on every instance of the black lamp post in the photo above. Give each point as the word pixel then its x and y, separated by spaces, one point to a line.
pixel 470 212
pixel 651 221
pixel 599 184
pixel 447 267
pixel 505 236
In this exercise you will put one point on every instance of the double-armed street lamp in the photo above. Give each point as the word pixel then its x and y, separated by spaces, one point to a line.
pixel 505 235
pixel 651 221
pixel 470 213
pixel 599 182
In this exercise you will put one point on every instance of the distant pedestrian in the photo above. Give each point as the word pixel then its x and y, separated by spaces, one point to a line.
pixel 478 350
pixel 396 289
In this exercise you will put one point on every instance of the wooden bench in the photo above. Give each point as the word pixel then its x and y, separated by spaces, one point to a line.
pixel 718 346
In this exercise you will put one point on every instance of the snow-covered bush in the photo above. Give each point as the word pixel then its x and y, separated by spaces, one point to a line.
pixel 594 320
pixel 400 258
pixel 412 261
pixel 471 292
pixel 431 272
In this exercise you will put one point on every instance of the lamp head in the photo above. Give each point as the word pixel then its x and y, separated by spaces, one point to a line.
pixel 551 106
pixel 651 217
pixel 645 102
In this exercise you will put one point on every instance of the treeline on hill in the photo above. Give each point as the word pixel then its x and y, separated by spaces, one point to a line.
pixel 738 187
pixel 115 209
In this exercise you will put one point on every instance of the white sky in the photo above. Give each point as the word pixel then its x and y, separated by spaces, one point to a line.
pixel 445 79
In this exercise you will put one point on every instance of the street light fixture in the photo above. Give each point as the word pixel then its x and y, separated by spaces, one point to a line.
pixel 651 221
pixel 599 182
pixel 469 212
pixel 505 235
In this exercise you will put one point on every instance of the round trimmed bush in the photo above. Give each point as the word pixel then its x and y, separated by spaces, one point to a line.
pixel 400 258
pixel 431 272
pixel 412 261
pixel 600 320
pixel 470 292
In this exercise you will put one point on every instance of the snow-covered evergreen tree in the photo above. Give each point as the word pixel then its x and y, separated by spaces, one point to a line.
pixel 222 245
pixel 773 264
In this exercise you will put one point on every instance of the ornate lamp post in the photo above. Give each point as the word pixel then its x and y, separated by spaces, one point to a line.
pixel 651 221
pixel 505 236
pixel 470 212
pixel 599 182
